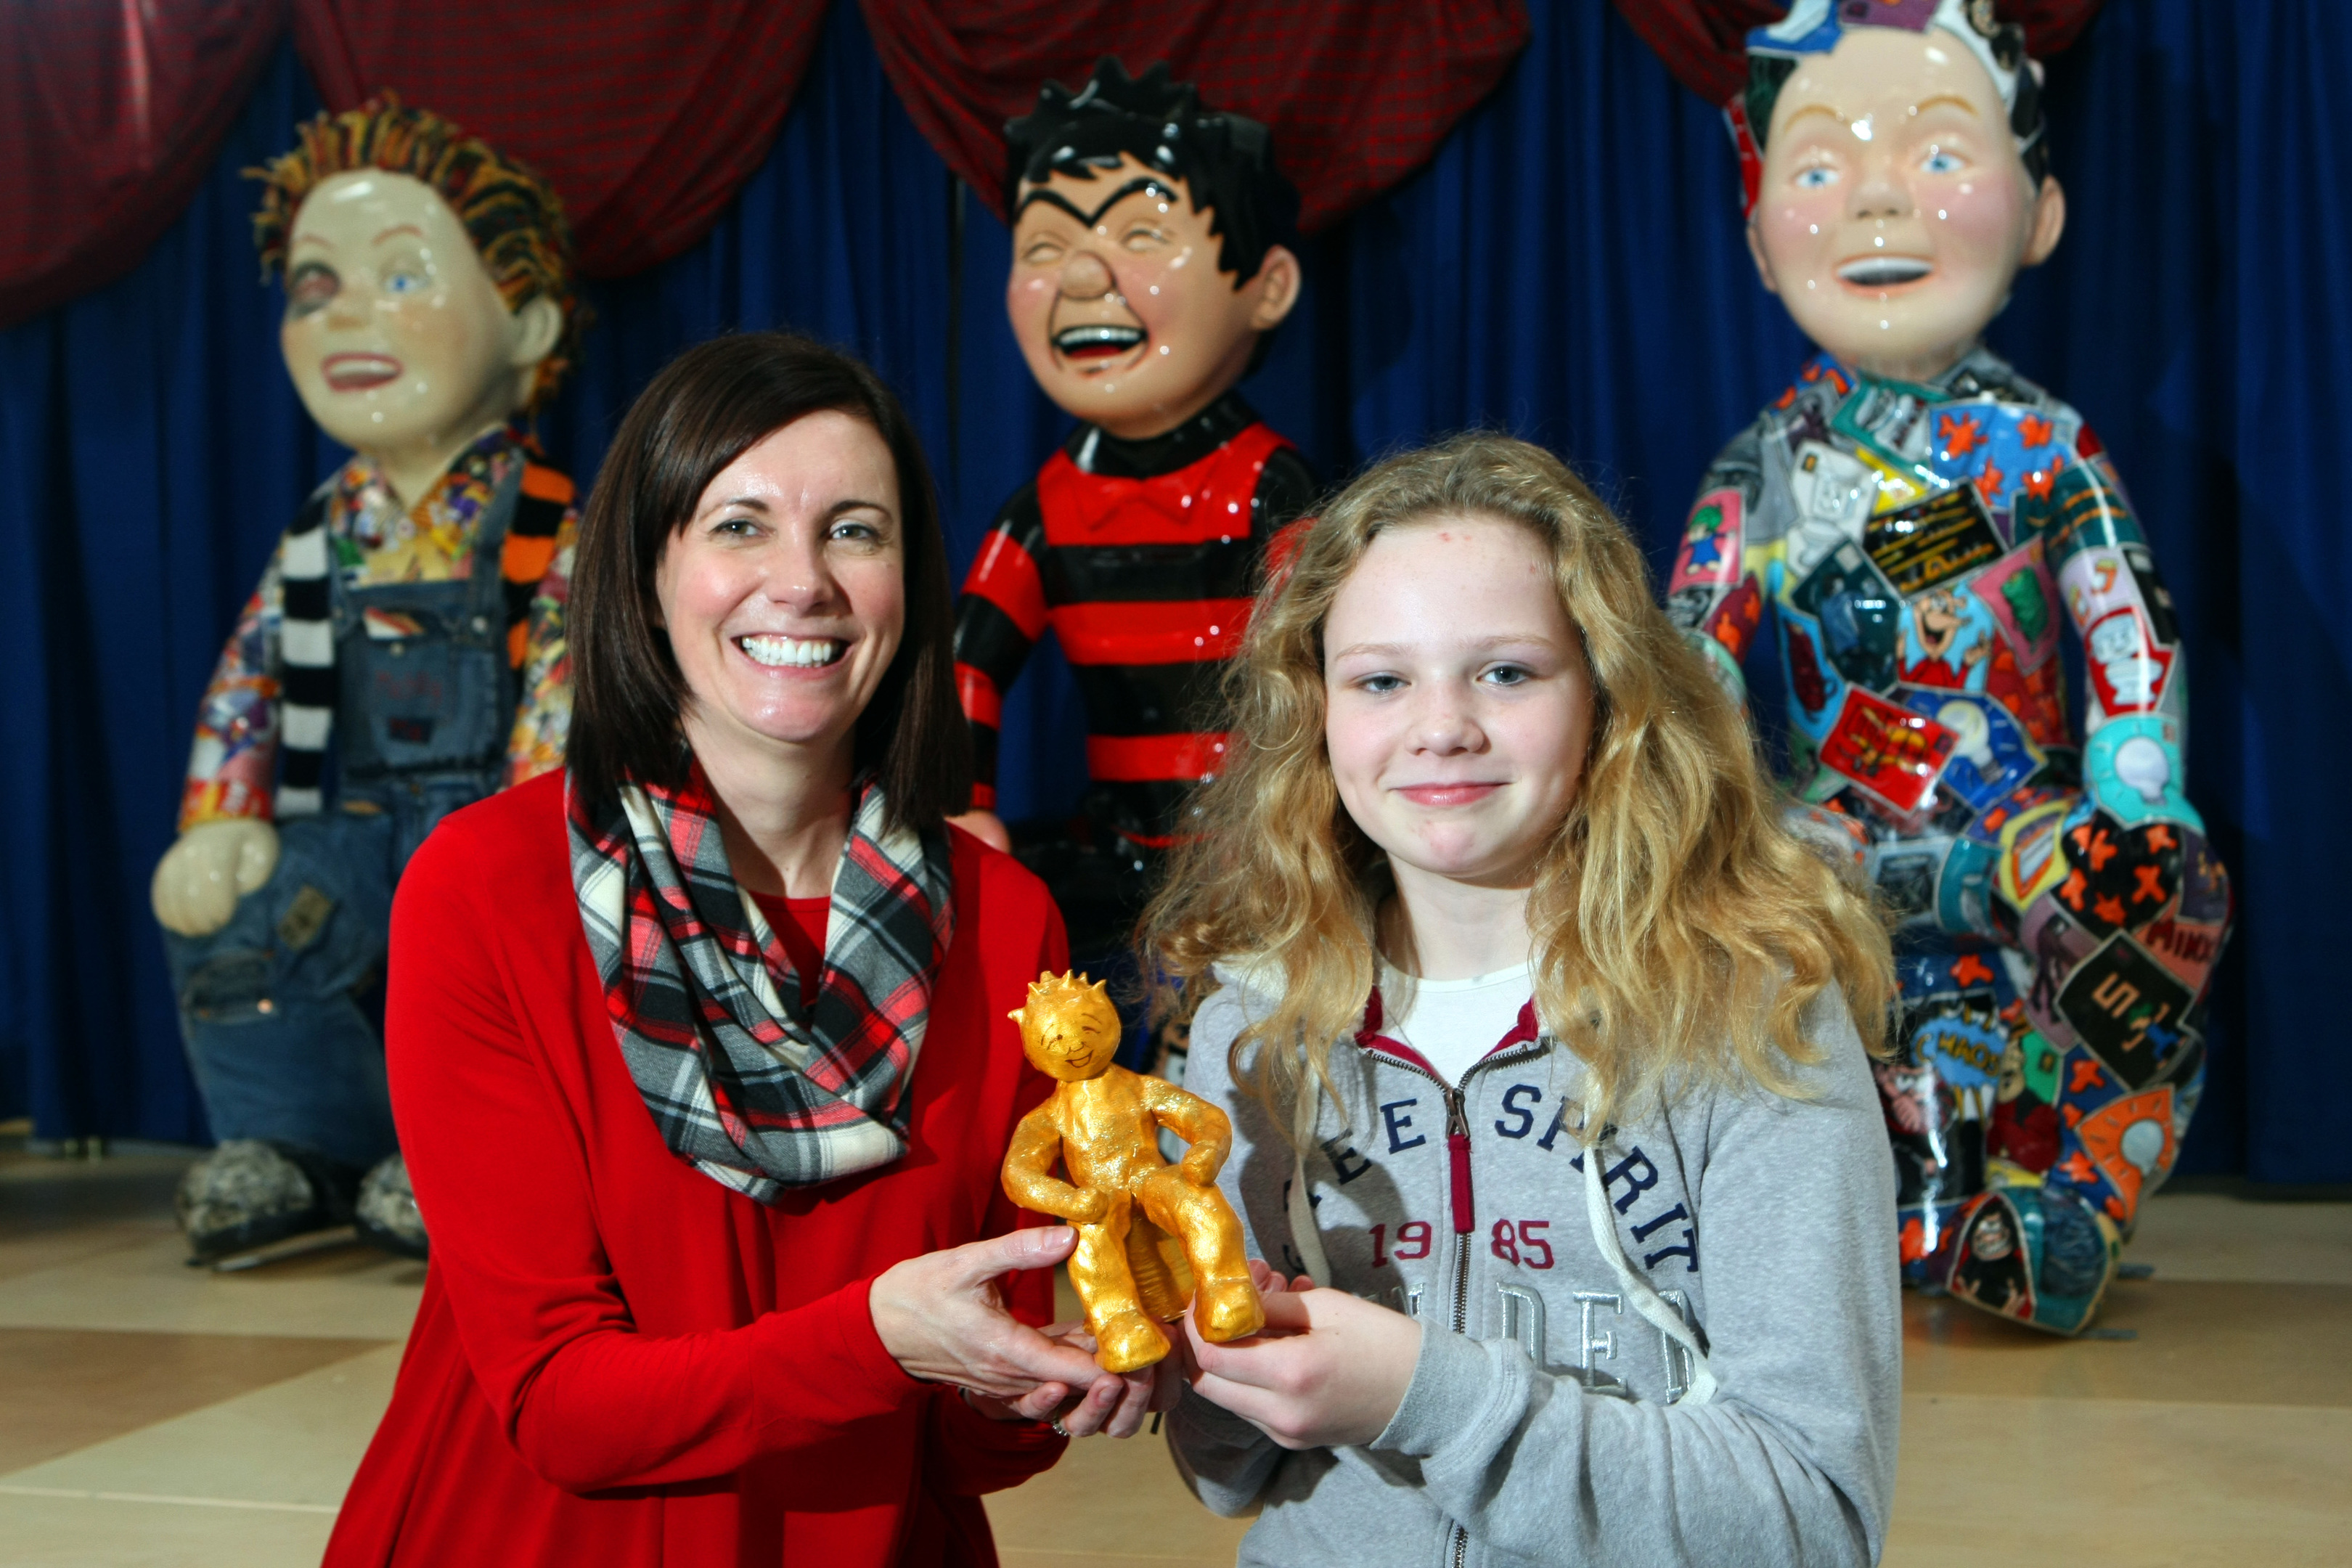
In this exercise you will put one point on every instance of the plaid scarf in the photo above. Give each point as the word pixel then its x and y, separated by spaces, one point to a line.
pixel 741 1086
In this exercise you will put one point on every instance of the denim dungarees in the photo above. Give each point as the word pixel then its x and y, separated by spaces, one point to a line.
pixel 281 1008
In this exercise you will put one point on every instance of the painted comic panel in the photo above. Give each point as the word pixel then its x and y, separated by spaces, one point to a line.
pixel 1734 622
pixel 1709 557
pixel 1991 755
pixel 2096 582
pixel 2033 857
pixel 1815 687
pixel 2055 946
pixel 1888 751
pixel 1858 614
pixel 1905 872
pixel 2118 877
pixel 2083 510
pixel 2130 1141
pixel 2024 602
pixel 2187 948
pixel 2154 597
pixel 2204 883
pixel 1964 888
pixel 1894 420
pixel 1963 1038
pixel 2133 764
pixel 2127 668
pixel 1832 493
pixel 1991 1268
pixel 1948 640
pixel 2127 1008
pixel 2003 450
pixel 1923 546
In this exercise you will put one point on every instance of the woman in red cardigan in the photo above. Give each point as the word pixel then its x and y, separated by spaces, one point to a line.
pixel 699 1052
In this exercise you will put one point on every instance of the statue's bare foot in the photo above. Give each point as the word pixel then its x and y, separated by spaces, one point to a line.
pixel 1228 1310
pixel 1128 1342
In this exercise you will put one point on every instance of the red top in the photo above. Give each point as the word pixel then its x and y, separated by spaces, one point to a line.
pixel 800 924
pixel 617 1360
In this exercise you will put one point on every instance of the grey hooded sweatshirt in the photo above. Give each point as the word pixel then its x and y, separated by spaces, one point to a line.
pixel 1687 1350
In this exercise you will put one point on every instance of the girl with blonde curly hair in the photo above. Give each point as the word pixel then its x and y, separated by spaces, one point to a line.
pixel 1515 987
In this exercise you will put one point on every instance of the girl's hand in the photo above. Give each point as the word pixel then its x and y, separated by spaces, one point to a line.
pixel 1328 1369
pixel 942 1319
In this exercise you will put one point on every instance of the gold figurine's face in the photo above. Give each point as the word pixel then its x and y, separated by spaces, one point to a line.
pixel 1070 1030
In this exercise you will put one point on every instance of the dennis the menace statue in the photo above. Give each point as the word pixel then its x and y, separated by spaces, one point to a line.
pixel 1148 275
pixel 1929 524
pixel 411 623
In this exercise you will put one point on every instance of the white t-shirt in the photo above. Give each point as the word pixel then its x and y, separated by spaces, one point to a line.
pixel 1452 1023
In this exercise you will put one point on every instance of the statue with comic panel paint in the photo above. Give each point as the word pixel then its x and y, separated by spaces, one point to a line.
pixel 1929 524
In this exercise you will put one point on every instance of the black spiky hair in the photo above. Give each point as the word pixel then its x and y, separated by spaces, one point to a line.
pixel 1226 161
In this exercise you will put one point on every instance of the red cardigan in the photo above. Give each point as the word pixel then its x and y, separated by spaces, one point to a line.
pixel 617 1360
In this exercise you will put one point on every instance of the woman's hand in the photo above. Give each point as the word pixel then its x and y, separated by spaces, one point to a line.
pixel 1116 1404
pixel 942 1318
pixel 1328 1369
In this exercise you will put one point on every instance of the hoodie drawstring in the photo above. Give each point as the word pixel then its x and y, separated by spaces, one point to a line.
pixel 1305 1237
pixel 1646 1300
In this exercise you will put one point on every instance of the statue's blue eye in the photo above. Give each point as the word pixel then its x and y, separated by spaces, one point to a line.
pixel 1938 161
pixel 1815 178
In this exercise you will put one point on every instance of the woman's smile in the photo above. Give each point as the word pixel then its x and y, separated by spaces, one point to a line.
pixel 779 651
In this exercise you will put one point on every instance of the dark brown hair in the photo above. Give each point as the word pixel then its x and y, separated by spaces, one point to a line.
pixel 708 407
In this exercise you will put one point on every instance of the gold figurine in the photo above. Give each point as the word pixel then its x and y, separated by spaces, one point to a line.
pixel 1146 1230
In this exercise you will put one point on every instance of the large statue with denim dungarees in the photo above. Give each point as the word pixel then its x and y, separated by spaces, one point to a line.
pixel 403 656
pixel 1927 525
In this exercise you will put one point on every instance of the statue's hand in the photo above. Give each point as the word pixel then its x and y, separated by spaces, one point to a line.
pixel 1201 1164
pixel 1089 1208
pixel 200 879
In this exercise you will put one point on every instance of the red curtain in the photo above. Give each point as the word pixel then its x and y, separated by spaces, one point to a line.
pixel 1357 92
pixel 646 116
pixel 1704 42
pixel 110 116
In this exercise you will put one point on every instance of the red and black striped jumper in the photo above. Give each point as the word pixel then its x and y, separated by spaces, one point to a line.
pixel 1142 557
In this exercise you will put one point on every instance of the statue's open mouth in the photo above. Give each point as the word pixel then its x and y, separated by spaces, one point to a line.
pixel 357 373
pixel 1097 340
pixel 1885 271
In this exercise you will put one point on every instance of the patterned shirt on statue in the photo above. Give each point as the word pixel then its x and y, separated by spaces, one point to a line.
pixel 1926 547
pixel 371 540
pixel 1142 557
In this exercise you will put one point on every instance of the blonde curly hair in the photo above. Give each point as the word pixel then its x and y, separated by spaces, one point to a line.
pixel 1680 933
pixel 511 213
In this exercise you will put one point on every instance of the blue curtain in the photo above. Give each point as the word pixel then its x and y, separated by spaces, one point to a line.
pixel 1569 268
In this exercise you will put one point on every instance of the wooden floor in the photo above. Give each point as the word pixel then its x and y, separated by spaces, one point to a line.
pixel 154 1416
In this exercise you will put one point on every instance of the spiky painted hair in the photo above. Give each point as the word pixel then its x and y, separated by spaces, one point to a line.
pixel 511 213
pixel 1051 993
pixel 1226 161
